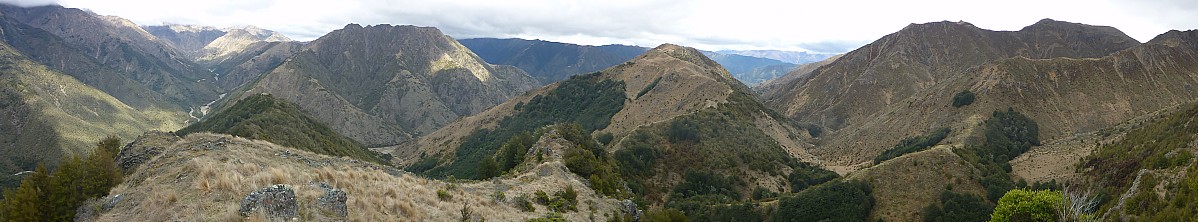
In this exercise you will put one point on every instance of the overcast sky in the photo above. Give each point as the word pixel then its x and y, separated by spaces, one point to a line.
pixel 823 26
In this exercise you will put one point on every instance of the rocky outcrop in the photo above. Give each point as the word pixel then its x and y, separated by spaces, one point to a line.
pixel 332 203
pixel 276 202
pixel 146 146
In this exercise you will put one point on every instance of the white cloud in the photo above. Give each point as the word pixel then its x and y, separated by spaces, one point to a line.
pixel 707 24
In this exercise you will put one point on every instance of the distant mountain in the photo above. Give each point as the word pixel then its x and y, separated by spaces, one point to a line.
pixel 799 73
pixel 553 61
pixel 207 45
pixel 670 112
pixel 791 57
pixel 120 45
pixel 547 61
pixel 263 117
pixel 750 70
pixel 378 84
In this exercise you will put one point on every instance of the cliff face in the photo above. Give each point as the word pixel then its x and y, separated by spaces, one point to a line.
pixel 364 81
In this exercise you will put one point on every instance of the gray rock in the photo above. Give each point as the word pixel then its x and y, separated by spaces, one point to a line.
pixel 631 209
pixel 146 147
pixel 276 202
pixel 332 202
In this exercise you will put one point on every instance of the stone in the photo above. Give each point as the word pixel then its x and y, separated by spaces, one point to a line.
pixel 144 148
pixel 332 202
pixel 276 202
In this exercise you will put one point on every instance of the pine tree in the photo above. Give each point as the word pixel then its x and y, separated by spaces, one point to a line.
pixel 25 202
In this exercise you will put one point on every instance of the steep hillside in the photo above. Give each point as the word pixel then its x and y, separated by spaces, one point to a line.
pixel 48 115
pixel 547 61
pixel 47 49
pixel 670 121
pixel 206 177
pixel 902 84
pixel 378 83
pixel 1144 171
pixel 123 46
pixel 263 117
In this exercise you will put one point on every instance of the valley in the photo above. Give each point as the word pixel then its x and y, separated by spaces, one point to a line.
pixel 108 120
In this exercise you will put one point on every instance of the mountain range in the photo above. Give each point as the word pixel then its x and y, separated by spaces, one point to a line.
pixel 941 121
pixel 553 61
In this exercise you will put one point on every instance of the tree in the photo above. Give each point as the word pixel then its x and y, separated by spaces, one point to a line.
pixel 1027 205
pixel 46 196
pixel 25 202
pixel 488 168
pixel 963 98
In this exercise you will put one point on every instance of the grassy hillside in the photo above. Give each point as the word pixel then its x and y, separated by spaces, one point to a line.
pixel 265 118
pixel 1149 173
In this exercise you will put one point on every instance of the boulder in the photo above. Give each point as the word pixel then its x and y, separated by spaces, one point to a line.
pixel 146 147
pixel 332 203
pixel 276 202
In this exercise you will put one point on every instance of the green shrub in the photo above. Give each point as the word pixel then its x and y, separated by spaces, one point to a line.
pixel 1009 134
pixel 833 201
pixel 605 138
pixel 805 175
pixel 488 168
pixel 549 217
pixel 958 207
pixel 523 204
pixel 665 215
pixel 1026 205
pixel 963 98
pixel 706 183
pixel 648 87
pixel 914 144
pixel 638 156
pixel 541 197
pixel 444 195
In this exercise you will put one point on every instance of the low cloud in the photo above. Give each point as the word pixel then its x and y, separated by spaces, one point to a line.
pixel 29 3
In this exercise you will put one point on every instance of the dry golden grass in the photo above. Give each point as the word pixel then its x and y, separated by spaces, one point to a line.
pixel 207 185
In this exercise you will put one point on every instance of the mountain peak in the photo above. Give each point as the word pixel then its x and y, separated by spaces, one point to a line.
pixel 1175 38
pixel 684 53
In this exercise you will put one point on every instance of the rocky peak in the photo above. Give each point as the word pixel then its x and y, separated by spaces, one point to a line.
pixel 684 53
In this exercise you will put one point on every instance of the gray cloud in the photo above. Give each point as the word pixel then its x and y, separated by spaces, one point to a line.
pixel 821 26
pixel 29 3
